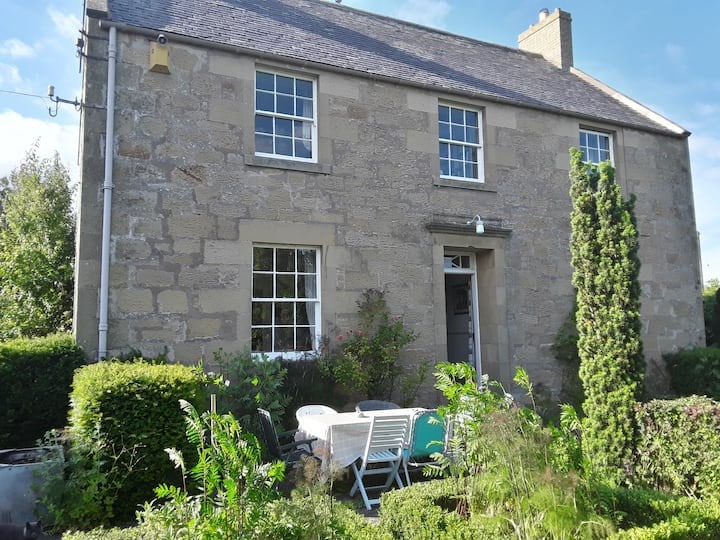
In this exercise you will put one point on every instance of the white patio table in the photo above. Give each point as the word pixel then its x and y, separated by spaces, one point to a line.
pixel 341 437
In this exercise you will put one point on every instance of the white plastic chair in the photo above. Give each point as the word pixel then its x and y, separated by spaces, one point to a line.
pixel 386 441
pixel 307 410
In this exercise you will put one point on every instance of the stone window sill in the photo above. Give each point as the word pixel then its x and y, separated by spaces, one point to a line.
pixel 287 164
pixel 460 184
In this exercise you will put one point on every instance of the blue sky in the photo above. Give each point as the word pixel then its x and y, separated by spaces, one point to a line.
pixel 659 53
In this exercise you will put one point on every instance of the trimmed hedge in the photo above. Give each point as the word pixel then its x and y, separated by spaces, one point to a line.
pixel 678 450
pixel 651 515
pixel 132 412
pixel 695 371
pixel 35 378
pixel 426 511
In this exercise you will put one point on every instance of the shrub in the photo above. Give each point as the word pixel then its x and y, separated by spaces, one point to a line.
pixel 306 383
pixel 123 416
pixel 711 309
pixel 130 533
pixel 678 450
pixel 695 371
pixel 513 476
pixel 35 377
pixel 367 361
pixel 426 511
pixel 314 515
pixel 642 514
pixel 233 485
pixel 252 381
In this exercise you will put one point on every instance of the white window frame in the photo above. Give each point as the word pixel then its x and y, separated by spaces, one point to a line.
pixel 586 148
pixel 274 115
pixel 451 140
pixel 314 325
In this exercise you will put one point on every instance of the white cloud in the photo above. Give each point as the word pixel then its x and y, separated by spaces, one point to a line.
pixel 426 12
pixel 19 133
pixel 66 24
pixel 9 75
pixel 16 49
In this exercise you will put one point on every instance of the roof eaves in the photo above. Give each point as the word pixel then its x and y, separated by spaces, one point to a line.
pixel 632 104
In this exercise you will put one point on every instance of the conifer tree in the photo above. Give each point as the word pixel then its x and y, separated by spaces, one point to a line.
pixel 604 246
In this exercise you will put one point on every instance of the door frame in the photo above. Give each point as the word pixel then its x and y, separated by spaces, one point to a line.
pixel 469 270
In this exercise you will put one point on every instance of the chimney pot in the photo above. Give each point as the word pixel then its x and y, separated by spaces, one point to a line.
pixel 542 15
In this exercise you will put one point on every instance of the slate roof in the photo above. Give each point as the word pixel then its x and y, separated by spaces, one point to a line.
pixel 338 36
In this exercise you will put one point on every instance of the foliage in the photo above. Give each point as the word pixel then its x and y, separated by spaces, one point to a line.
pixel 234 486
pixel 711 309
pixel 235 495
pixel 678 450
pixel 80 485
pixel 37 246
pixel 368 358
pixel 565 349
pixel 123 416
pixel 604 245
pixel 426 511
pixel 650 515
pixel 251 382
pixel 306 383
pixel 513 476
pixel 129 533
pixel 35 377
pixel 565 447
pixel 695 371
pixel 309 516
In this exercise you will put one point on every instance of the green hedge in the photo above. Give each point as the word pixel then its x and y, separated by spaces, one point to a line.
pixel 650 515
pixel 426 511
pixel 678 450
pixel 35 378
pixel 695 371
pixel 131 412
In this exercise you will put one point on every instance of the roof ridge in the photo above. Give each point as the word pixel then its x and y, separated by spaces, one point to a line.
pixel 421 26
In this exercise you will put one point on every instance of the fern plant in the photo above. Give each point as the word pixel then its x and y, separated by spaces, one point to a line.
pixel 232 485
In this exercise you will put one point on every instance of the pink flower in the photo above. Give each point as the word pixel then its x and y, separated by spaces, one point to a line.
pixel 341 337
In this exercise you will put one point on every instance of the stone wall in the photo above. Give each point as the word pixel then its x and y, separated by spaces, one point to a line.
pixel 190 199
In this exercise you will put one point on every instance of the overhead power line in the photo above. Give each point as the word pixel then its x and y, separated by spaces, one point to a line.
pixel 22 94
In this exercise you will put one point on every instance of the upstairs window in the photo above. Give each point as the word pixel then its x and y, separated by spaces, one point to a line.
pixel 460 133
pixel 595 146
pixel 285 122
pixel 285 300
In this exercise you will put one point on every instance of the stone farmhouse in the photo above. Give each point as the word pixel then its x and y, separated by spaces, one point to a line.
pixel 250 167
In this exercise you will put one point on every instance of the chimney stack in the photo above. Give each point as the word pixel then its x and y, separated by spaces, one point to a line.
pixel 550 37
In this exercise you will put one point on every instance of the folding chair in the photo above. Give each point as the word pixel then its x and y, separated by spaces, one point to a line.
pixel 385 444
pixel 375 405
pixel 290 452
pixel 427 436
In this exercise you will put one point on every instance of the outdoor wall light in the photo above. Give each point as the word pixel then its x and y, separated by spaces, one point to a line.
pixel 479 225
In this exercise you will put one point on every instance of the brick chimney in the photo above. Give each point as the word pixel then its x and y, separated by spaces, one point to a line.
pixel 551 37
